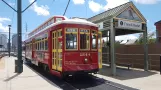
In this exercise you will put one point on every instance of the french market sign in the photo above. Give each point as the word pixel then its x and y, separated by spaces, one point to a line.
pixel 129 25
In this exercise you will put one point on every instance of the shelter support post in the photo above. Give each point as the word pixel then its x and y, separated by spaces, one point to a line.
pixel 146 62
pixel 108 45
pixel 112 48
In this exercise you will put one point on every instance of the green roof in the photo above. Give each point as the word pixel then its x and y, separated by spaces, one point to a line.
pixel 112 12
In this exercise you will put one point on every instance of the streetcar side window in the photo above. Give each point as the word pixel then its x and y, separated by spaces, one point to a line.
pixel 84 39
pixel 36 45
pixel 94 39
pixel 46 42
pixel 71 38
pixel 39 45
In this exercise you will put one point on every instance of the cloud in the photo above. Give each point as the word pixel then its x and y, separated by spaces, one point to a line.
pixel 114 3
pixel 4 19
pixel 95 7
pixel 147 21
pixel 3 28
pixel 147 1
pixel 42 10
pixel 12 4
pixel 79 1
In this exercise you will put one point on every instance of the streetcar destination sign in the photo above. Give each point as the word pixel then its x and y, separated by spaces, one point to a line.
pixel 129 25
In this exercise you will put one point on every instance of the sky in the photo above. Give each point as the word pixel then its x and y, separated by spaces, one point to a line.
pixel 42 10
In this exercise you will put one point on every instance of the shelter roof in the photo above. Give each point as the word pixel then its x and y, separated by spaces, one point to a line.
pixel 111 13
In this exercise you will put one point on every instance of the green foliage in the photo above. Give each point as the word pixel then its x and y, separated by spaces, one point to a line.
pixel 150 39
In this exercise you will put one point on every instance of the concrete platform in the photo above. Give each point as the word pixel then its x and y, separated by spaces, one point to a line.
pixel 136 78
pixel 28 80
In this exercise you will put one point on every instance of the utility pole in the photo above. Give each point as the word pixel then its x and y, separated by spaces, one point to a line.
pixel 19 62
pixel 1 40
pixel 19 39
pixel 9 45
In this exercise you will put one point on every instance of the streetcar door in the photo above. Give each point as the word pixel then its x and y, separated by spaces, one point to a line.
pixel 57 50
pixel 100 49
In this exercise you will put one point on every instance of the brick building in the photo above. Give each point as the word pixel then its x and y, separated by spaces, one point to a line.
pixel 158 31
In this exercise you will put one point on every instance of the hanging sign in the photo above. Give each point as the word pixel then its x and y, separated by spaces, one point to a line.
pixel 129 25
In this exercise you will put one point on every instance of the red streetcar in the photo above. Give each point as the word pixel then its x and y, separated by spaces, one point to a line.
pixel 65 46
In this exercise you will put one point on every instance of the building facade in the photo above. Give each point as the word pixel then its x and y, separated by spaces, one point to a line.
pixel 158 31
pixel 14 42
pixel 3 40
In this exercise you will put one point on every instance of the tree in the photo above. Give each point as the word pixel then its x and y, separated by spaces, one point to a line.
pixel 150 38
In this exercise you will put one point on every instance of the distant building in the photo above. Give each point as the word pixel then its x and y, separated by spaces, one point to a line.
pixel 3 40
pixel 158 31
pixel 14 42
pixel 79 18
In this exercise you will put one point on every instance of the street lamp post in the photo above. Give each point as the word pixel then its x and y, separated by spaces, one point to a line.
pixel 9 45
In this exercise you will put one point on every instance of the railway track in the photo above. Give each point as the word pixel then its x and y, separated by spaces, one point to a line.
pixel 83 82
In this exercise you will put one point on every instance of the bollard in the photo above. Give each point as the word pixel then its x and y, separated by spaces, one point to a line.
pixel 16 63
pixel 18 69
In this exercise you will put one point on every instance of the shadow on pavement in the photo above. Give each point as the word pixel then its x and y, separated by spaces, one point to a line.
pixel 80 82
pixel 125 74
pixel 10 78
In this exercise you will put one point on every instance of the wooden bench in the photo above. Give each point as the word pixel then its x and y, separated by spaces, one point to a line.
pixel 124 64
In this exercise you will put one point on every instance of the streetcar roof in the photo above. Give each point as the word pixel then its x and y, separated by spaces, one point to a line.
pixel 76 21
pixel 67 21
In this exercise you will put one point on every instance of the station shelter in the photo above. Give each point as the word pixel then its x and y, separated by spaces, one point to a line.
pixel 121 20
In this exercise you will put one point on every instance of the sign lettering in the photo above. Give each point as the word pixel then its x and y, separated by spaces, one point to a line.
pixel 129 25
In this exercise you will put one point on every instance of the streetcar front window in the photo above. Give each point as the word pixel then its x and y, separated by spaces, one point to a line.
pixel 71 38
pixel 84 39
pixel 94 39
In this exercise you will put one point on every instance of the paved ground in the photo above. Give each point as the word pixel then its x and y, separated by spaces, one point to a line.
pixel 2 63
pixel 34 78
pixel 28 80
pixel 135 78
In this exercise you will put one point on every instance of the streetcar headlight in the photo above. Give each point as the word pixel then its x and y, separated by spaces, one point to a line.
pixel 86 60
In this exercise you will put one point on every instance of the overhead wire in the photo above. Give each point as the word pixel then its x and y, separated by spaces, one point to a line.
pixel 66 7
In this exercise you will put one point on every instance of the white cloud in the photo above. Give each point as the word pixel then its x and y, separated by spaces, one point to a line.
pixel 12 4
pixel 147 1
pixel 40 10
pixel 79 1
pixel 95 7
pixel 114 3
pixel 4 19
pixel 147 21
pixel 3 28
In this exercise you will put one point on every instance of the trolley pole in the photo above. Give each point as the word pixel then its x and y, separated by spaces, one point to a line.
pixel 9 44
